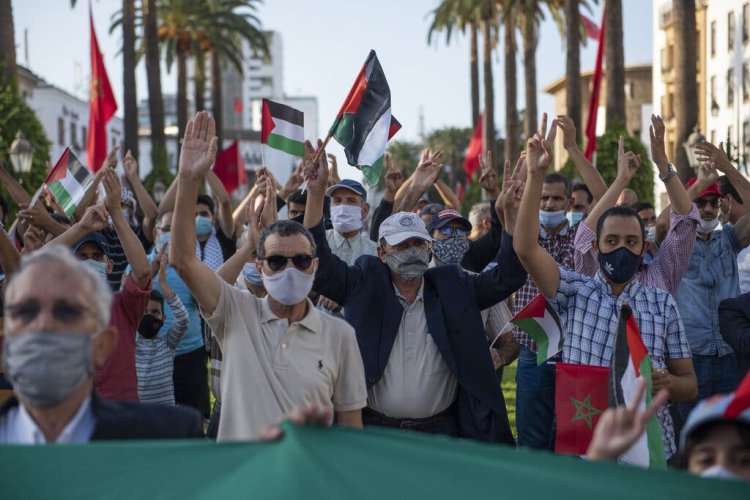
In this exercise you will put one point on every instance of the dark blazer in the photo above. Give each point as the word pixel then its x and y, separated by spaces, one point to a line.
pixel 734 326
pixel 128 420
pixel 453 299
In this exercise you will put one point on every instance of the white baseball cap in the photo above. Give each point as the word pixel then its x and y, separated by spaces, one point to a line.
pixel 401 226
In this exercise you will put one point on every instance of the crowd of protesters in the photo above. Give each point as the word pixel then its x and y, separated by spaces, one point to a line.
pixel 193 317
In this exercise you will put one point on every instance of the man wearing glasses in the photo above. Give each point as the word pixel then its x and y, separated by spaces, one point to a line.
pixel 279 352
pixel 711 277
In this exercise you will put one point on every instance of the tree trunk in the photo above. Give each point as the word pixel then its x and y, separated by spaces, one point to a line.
pixel 7 45
pixel 155 99
pixel 573 65
pixel 216 95
pixel 200 86
pixel 130 100
pixel 529 66
pixel 615 59
pixel 182 103
pixel 488 131
pixel 511 109
pixel 685 87
pixel 474 61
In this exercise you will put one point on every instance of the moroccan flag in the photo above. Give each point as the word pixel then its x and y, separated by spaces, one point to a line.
pixel 473 150
pixel 631 363
pixel 364 124
pixel 541 322
pixel 230 168
pixel 596 84
pixel 590 27
pixel 68 182
pixel 282 136
pixel 580 399
pixel 102 106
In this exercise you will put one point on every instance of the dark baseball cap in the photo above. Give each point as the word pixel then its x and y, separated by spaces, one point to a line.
pixel 95 237
pixel 444 217
pixel 351 185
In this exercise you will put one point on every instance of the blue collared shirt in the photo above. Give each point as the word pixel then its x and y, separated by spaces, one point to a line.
pixel 711 277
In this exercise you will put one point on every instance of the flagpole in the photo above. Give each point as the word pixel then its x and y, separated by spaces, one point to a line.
pixel 321 148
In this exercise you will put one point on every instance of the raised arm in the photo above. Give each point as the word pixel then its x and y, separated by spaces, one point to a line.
pixel 181 318
pixel 709 153
pixel 38 216
pixel 147 204
pixel 424 176
pixel 14 188
pixel 447 195
pixel 167 202
pixel 588 172
pixel 196 157
pixel 226 222
pixel 678 197
pixel 110 162
pixel 94 219
pixel 9 256
pixel 231 269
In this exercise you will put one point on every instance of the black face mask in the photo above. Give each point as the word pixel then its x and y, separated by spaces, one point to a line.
pixel 150 326
pixel 619 265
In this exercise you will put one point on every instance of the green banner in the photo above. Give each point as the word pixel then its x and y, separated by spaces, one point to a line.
pixel 312 463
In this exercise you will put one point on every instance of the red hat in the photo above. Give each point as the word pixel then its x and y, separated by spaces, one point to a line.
pixel 713 189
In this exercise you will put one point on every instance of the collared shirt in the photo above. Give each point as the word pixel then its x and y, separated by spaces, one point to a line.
pixel 18 427
pixel 710 278
pixel 666 269
pixel 350 249
pixel 560 246
pixel 743 267
pixel 416 382
pixel 590 314
pixel 271 367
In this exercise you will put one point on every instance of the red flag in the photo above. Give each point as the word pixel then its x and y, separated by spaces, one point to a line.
pixel 473 150
pixel 102 106
pixel 590 27
pixel 237 105
pixel 230 168
pixel 596 84
pixel 581 396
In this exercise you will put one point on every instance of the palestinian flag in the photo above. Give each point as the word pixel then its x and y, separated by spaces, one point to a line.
pixel 68 182
pixel 364 124
pixel 631 363
pixel 541 322
pixel 282 136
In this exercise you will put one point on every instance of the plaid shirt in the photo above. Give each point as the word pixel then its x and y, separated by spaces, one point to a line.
pixel 590 315
pixel 561 247
pixel 666 269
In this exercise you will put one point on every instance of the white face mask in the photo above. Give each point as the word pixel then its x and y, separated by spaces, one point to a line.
pixel 346 218
pixel 289 286
pixel 707 226
pixel 719 472
pixel 651 234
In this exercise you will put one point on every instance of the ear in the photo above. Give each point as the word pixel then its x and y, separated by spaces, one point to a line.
pixel 365 210
pixel 110 266
pixel 315 265
pixel 103 345
pixel 595 247
pixel 570 204
pixel 381 254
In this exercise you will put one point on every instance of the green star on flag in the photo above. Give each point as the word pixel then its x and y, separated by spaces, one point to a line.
pixel 584 410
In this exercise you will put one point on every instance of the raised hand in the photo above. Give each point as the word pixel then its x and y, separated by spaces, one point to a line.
pixel 708 153
pixel 627 163
pixel 488 178
pixel 658 151
pixel 546 141
pixel 113 190
pixel 253 215
pixel 33 239
pixel 393 176
pixel 110 162
pixel 619 428
pixel 162 255
pixel 707 174
pixel 565 123
pixel 130 165
pixel 35 215
pixel 95 218
pixel 427 171
pixel 315 173
pixel 269 215
pixel 293 183
pixel 509 201
pixel 333 176
pixel 198 150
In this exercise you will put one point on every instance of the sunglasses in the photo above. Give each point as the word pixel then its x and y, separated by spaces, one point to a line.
pixel 702 202
pixel 449 231
pixel 62 311
pixel 300 261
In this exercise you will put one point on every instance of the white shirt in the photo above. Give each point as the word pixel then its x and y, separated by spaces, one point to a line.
pixel 743 266
pixel 350 249
pixel 18 427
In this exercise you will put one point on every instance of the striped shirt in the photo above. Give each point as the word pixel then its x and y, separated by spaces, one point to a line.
pixel 154 358
pixel 117 255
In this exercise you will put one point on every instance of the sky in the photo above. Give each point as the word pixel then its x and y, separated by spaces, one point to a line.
pixel 324 44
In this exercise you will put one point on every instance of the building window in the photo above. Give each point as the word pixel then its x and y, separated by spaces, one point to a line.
pixel 713 137
pixel 73 134
pixel 713 38
pixel 745 22
pixel 714 103
pixel 746 81
pixel 84 134
pixel 730 87
pixel 730 31
pixel 61 131
pixel 746 133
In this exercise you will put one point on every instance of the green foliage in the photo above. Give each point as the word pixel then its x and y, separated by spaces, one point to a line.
pixel 159 171
pixel 606 161
pixel 472 195
pixel 17 115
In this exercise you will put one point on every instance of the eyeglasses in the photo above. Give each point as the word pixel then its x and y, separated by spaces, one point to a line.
pixel 278 262
pixel 448 231
pixel 62 311
pixel 702 202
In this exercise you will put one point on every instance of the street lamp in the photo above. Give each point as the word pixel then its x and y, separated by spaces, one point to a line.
pixel 21 153
pixel 693 140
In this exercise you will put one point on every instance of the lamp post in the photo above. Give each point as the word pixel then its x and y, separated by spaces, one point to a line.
pixel 21 153
pixel 693 140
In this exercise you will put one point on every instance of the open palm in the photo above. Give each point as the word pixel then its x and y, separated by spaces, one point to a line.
pixel 199 145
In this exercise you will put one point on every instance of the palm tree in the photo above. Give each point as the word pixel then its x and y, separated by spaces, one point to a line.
pixel 130 101
pixel 153 77
pixel 456 14
pixel 7 45
pixel 512 131
pixel 686 92
pixel 614 55
pixel 573 98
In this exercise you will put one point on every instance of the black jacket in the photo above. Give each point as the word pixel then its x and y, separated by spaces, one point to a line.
pixel 734 326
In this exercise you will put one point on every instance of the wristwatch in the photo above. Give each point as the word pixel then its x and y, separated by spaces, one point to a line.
pixel 671 172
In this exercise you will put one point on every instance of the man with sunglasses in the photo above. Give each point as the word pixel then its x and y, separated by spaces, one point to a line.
pixel 419 330
pixel 711 277
pixel 279 351
pixel 56 336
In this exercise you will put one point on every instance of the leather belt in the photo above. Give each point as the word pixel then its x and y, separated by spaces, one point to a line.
pixel 414 424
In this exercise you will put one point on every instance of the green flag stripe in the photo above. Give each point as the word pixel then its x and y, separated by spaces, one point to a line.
pixel 536 332
pixel 343 131
pixel 653 428
pixel 63 197
pixel 285 144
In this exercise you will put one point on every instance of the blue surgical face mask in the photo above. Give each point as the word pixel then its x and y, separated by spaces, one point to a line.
pixel 203 226
pixel 251 274
pixel 575 217
pixel 163 238
pixel 551 219
pixel 97 266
